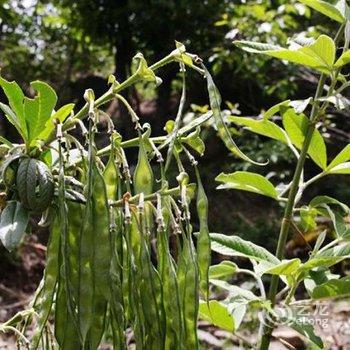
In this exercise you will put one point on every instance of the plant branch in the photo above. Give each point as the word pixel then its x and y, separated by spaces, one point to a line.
pixel 285 226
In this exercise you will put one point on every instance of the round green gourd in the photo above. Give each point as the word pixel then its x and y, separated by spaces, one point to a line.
pixel 35 184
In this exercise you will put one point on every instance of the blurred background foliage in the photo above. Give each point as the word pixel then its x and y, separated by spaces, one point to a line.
pixel 74 45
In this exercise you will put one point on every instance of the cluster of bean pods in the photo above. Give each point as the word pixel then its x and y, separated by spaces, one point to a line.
pixel 122 266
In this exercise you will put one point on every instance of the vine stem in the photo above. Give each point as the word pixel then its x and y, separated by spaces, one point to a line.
pixel 294 189
pixel 265 340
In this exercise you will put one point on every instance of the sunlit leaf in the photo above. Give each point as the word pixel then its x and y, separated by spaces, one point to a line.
pixel 343 168
pixel 38 110
pixel 60 115
pixel 319 55
pixel 337 10
pixel 342 157
pixel 217 314
pixel 15 96
pixel 285 268
pixel 246 181
pixel 262 127
pixel 296 126
pixel 222 270
pixel 236 246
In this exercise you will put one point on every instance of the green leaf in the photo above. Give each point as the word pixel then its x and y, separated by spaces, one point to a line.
pixel 307 330
pixel 235 292
pixel 340 169
pixel 223 131
pixel 338 222
pixel 38 110
pixel 194 141
pixel 143 71
pixel 317 277
pixel 262 127
pixel 13 223
pixel 285 268
pixel 336 288
pixel 12 118
pixel 320 200
pixel 225 269
pixel 328 257
pixel 236 246
pixel 319 55
pixel 275 109
pixel 217 314
pixel 295 126
pixel 337 10
pixel 15 97
pixel 342 157
pixel 343 59
pixel 181 55
pixel 246 181
pixel 60 115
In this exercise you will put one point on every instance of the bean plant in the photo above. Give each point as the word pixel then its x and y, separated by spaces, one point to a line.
pixel 124 265
pixel 296 124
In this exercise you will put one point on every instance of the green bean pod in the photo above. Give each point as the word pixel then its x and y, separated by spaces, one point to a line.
pixel 65 331
pixel 151 291
pixel 203 239
pixel 45 302
pixel 223 131
pixel 188 290
pixel 170 295
pixel 101 258
pixel 143 175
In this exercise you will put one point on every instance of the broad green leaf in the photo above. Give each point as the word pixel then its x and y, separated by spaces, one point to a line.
pixel 328 257
pixel 236 246
pixel 217 314
pixel 60 115
pixel 275 109
pixel 343 59
pixel 38 110
pixel 337 10
pixel 235 292
pixel 307 330
pixel 337 220
pixel 13 223
pixel 225 269
pixel 262 127
pixel 320 200
pixel 15 97
pixel 340 251
pixel 319 55
pixel 295 126
pixel 342 157
pixel 317 277
pixel 223 131
pixel 246 181
pixel 337 288
pixel 340 169
pixel 299 106
pixel 285 268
